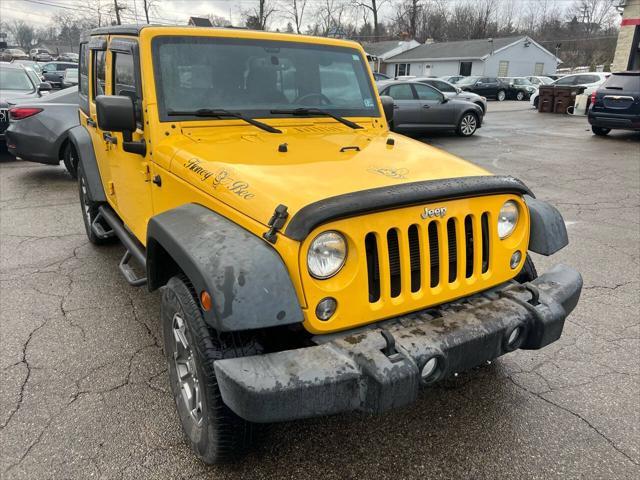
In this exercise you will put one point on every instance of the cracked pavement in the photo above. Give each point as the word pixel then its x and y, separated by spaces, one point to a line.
pixel 84 383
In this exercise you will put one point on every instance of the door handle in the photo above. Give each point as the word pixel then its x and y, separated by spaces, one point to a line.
pixel 109 138
pixel 426 106
pixel 91 122
pixel 396 107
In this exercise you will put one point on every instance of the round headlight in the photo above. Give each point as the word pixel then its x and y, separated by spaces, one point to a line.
pixel 507 219
pixel 327 254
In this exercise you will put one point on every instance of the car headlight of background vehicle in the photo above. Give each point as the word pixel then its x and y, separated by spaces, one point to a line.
pixel 327 254
pixel 507 218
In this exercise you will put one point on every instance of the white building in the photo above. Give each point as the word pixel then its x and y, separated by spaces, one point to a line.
pixel 379 52
pixel 493 57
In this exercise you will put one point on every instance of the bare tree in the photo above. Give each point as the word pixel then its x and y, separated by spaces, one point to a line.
pixel 295 10
pixel 149 6
pixel 23 34
pixel 218 21
pixel 258 18
pixel 374 7
pixel 116 9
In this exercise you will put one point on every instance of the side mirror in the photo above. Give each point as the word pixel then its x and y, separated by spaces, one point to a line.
pixel 478 83
pixel 444 99
pixel 44 87
pixel 116 113
pixel 458 90
pixel 387 106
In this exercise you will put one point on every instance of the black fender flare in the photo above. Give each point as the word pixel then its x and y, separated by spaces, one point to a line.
pixel 548 232
pixel 246 278
pixel 81 140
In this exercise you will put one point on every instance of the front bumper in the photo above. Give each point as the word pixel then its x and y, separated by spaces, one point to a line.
pixel 377 368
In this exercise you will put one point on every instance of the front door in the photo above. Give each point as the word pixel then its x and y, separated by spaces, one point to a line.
pixel 433 112
pixel 405 111
pixel 131 172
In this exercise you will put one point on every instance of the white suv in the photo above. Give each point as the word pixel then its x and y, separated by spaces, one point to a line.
pixel 591 80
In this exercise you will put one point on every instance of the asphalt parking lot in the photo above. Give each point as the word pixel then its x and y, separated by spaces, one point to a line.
pixel 84 384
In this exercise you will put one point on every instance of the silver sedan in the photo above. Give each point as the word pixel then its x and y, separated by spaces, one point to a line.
pixel 38 129
pixel 419 107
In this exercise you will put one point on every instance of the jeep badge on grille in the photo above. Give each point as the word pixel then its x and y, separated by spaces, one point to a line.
pixel 434 212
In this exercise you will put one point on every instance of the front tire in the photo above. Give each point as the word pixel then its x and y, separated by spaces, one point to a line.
pixel 601 132
pixel 501 95
pixel 468 125
pixel 520 96
pixel 213 431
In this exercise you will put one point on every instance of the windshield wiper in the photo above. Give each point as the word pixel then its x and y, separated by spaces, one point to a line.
pixel 316 111
pixel 216 112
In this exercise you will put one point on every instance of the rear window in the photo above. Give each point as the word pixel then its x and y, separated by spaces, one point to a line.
pixel 629 83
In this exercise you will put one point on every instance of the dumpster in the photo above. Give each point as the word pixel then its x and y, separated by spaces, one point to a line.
pixel 558 98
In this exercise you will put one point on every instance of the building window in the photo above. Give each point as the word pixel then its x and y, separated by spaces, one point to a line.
pixel 402 69
pixel 539 69
pixel 503 68
pixel 465 68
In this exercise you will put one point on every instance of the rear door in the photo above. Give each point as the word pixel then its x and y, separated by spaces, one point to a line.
pixel 432 111
pixel 405 104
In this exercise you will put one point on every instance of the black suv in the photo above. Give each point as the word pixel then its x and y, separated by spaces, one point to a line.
pixel 490 87
pixel 616 104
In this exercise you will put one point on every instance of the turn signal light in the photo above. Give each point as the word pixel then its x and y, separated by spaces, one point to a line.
pixel 19 113
pixel 205 300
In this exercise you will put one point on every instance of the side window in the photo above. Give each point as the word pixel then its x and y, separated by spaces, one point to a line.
pixel 99 73
pixel 443 86
pixel 566 81
pixel 427 93
pixel 582 79
pixel 124 80
pixel 400 92
pixel 84 70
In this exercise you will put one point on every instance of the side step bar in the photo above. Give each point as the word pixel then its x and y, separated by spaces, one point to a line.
pixel 134 250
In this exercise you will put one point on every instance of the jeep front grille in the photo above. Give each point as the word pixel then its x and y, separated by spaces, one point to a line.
pixel 436 254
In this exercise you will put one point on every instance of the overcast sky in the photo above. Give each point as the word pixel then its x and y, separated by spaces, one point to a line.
pixel 39 12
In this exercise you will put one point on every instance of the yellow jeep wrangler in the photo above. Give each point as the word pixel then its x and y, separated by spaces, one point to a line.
pixel 312 262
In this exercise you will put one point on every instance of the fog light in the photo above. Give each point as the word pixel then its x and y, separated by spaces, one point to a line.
pixel 514 336
pixel 326 308
pixel 515 259
pixel 429 368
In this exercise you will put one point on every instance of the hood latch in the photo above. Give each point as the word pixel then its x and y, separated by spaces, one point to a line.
pixel 276 222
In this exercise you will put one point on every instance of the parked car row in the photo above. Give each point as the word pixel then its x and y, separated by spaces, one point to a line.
pixel 36 55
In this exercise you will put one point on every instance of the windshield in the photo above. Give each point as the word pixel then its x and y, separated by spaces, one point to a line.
pixel 256 76
pixel 467 81
pixel 11 79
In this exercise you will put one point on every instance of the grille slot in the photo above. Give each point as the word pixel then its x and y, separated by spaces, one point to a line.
pixel 414 257
pixel 468 236
pixel 485 242
pixel 394 262
pixel 373 267
pixel 426 255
